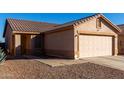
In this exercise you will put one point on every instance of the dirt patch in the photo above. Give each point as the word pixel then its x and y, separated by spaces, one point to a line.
pixel 30 69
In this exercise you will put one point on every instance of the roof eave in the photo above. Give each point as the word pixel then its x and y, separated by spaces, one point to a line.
pixel 26 32
pixel 56 28
pixel 113 25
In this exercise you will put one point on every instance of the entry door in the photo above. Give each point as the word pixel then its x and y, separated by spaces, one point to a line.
pixel 92 46
pixel 23 44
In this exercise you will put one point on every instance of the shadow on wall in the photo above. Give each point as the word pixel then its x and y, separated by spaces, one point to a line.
pixel 37 44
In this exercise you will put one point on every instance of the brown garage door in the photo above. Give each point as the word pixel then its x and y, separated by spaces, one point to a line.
pixel 92 46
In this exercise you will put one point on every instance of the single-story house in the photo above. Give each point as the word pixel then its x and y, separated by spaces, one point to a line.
pixel 87 37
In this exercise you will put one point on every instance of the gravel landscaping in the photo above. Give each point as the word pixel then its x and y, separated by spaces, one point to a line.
pixel 30 69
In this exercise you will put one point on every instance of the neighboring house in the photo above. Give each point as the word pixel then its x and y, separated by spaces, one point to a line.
pixel 87 37
pixel 121 39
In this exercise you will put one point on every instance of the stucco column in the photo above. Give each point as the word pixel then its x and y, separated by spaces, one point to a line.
pixel 32 43
pixel 116 45
pixel 76 44
pixel 28 44
pixel 18 44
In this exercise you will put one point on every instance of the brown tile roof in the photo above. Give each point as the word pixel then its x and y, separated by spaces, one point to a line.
pixel 24 25
pixel 122 28
pixel 85 19
pixel 74 22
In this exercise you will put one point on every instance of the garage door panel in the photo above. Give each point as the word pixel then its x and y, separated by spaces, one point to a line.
pixel 91 46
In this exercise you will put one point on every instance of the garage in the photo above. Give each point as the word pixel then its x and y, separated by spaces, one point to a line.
pixel 92 36
pixel 92 46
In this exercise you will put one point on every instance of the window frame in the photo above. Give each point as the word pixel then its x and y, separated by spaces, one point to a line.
pixel 98 23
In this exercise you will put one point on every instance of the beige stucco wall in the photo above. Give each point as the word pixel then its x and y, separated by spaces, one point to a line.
pixel 90 27
pixel 60 44
pixel 8 39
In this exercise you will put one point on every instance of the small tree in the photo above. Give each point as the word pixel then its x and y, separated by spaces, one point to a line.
pixel 2 55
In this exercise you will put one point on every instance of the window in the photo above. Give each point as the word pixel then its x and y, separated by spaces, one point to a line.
pixel 98 23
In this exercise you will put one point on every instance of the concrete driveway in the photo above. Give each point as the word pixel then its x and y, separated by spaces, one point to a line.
pixel 116 62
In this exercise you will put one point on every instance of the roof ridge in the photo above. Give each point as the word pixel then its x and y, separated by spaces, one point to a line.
pixel 29 21
pixel 27 25
pixel 76 20
pixel 82 20
pixel 88 17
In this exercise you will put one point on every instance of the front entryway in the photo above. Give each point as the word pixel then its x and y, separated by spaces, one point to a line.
pixel 28 44
pixel 25 44
pixel 92 46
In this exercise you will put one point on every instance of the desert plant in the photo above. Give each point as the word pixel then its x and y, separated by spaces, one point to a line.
pixel 2 55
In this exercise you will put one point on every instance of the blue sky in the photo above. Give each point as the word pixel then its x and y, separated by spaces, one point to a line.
pixel 116 18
